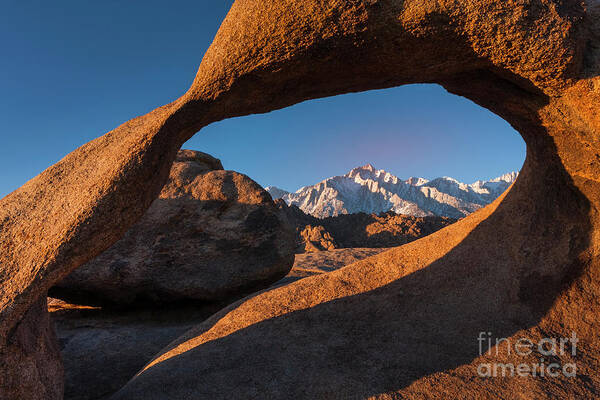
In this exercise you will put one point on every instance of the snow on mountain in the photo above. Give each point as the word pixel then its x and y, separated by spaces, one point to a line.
pixel 414 181
pixel 366 189
pixel 275 192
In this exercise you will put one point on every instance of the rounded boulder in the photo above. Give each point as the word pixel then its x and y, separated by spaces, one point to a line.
pixel 211 235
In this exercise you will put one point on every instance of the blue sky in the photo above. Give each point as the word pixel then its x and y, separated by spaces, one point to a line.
pixel 71 71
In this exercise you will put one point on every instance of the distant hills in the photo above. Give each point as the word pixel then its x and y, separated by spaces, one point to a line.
pixel 368 190
pixel 359 230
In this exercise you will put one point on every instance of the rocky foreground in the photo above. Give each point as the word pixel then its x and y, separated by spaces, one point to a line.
pixel 400 324
pixel 211 237
pixel 103 348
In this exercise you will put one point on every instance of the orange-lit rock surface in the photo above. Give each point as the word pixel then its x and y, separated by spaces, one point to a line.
pixel 404 322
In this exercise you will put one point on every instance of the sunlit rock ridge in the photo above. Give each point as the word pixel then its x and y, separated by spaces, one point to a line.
pixel 366 189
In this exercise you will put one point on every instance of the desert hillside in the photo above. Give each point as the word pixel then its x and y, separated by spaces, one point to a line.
pixel 358 230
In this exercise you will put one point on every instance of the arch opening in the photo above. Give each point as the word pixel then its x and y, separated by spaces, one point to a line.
pixel 412 132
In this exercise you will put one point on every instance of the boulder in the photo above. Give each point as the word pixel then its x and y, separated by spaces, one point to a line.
pixel 189 163
pixel 210 235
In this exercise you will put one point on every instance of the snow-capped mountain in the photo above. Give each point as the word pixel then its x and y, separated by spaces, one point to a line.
pixel 275 192
pixel 365 189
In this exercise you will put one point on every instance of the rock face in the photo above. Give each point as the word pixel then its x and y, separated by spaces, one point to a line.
pixel 358 230
pixel 210 235
pixel 372 191
pixel 403 323
pixel 32 349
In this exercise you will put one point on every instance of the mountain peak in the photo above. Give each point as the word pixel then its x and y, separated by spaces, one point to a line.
pixel 368 167
pixel 509 177
pixel 365 189
pixel 275 192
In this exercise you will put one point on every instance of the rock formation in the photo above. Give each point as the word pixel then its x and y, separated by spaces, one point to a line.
pixel 315 238
pixel 210 235
pixel 404 322
pixel 103 348
pixel 358 230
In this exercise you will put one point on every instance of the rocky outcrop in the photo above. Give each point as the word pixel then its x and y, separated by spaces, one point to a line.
pixel 383 230
pixel 315 238
pixel 358 230
pixel 210 235
pixel 403 323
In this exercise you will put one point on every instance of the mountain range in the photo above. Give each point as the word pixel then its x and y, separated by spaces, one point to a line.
pixel 372 191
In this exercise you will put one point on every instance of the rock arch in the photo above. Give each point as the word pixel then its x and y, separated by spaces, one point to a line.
pixel 526 265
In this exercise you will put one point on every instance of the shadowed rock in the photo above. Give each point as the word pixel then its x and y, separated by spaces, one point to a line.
pixel 102 349
pixel 210 236
pixel 358 230
pixel 405 322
